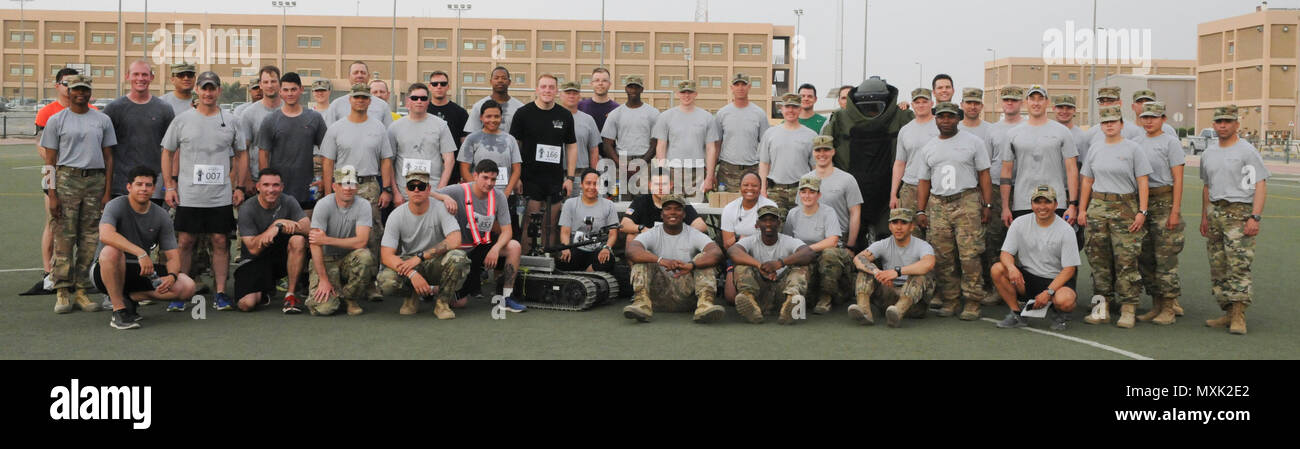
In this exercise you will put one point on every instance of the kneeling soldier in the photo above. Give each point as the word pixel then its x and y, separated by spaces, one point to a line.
pixel 342 267
pixel 420 244
pixel 770 264
pixel 678 263
pixel 819 228
pixel 903 283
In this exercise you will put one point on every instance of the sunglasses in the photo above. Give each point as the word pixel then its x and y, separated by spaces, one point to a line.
pixel 419 97
pixel 184 75
pixel 62 83
pixel 438 83
pixel 416 186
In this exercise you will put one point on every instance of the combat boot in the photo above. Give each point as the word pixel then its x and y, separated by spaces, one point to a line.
pixel 84 302
pixel 411 305
pixel 1100 311
pixel 354 309
pixel 787 309
pixel 1167 315
pixel 708 312
pixel 971 312
pixel 1238 324
pixel 1221 322
pixel 640 310
pixel 947 308
pixel 823 304
pixel 1178 308
pixel 442 310
pixel 992 299
pixel 748 308
pixel 894 314
pixel 1157 305
pixel 63 301
pixel 861 312
pixel 1126 316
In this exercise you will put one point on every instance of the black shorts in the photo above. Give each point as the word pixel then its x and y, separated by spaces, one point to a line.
pixel 550 192
pixel 474 281
pixel 1035 285
pixel 259 275
pixel 580 260
pixel 133 281
pixel 205 220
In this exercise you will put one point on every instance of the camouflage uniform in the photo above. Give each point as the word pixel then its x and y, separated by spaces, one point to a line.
pixel 918 289
pixel 828 274
pixel 448 273
pixel 81 195
pixel 729 175
pixel 995 234
pixel 350 275
pixel 784 195
pixel 907 200
pixel 1231 253
pixel 370 190
pixel 958 240
pixel 1158 262
pixel 1112 250
pixel 673 294
pixel 771 294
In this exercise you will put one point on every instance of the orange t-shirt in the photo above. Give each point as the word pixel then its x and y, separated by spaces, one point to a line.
pixel 43 116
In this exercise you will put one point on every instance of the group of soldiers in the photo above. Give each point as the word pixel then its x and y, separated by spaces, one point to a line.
pixel 904 208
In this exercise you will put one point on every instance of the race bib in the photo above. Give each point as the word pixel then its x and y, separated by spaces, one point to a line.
pixel 503 178
pixel 412 165
pixel 209 175
pixel 484 222
pixel 548 153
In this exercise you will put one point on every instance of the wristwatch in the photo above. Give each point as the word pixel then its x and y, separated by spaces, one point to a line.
pixel 1145 212
pixel 1257 218
pixel 1074 203
pixel 920 212
pixel 898 270
pixel 388 190
pixel 420 255
pixel 1050 292
pixel 988 205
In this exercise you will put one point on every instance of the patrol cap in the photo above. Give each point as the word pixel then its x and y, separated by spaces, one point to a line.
pixel 972 94
pixel 673 198
pixel 1228 112
pixel 1036 89
pixel 1109 114
pixel 206 78
pixel 946 107
pixel 1152 109
pixel 570 85
pixel 1144 95
pixel 686 86
pixel 826 142
pixel 77 81
pixel 771 210
pixel 1043 191
pixel 346 175
pixel 1064 100
pixel 1013 93
pixel 321 85
pixel 810 182
pixel 361 90
pixel 417 175
pixel 1108 93
pixel 635 80
pixel 740 78
pixel 255 86
pixel 902 214
pixel 791 100
pixel 182 68
pixel 922 92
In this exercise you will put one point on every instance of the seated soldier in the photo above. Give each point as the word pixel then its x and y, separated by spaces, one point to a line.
pixel 488 243
pixel 342 266
pixel 130 227
pixel 273 230
pixel 1049 256
pixel 819 227
pixel 582 218
pixel 419 245
pixel 645 212
pixel 676 262
pixel 905 281
pixel 770 265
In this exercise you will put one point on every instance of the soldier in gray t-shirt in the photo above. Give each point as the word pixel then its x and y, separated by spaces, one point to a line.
pixel 630 128
pixel 1038 261
pixel 499 147
pixel 678 264
pixel 894 274
pixel 1115 168
pixel 583 218
pixel 1036 155
pixel 420 250
pixel 342 268
pixel 250 122
pixel 139 128
pixel 839 190
pixel 817 225
pixel 740 130
pixel 424 145
pixel 771 268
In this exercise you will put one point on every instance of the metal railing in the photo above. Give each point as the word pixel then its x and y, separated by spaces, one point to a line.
pixel 21 124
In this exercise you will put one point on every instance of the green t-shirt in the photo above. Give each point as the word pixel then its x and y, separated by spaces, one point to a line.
pixel 815 123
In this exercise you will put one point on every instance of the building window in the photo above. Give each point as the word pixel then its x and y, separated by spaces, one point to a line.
pixel 480 77
pixel 665 48
pixel 705 48
pixel 717 49
pixel 634 47
pixel 469 45
pixel 480 45
pixel 744 50
pixel 591 46
pixel 235 72
pixel 520 78
pixel 1229 86
pixel 755 83
pixel 309 41
pixel 1074 76
pixel 20 36
pixel 309 72
pixel 586 80
pixel 440 44
pixel 548 46
pixel 69 38
pixel 56 38
pixel 665 82
pixel 1230 48
pixel 468 78
pixel 679 48
pixel 559 78
pixel 1056 76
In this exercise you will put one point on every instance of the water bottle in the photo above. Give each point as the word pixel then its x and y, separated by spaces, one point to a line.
pixel 314 191
pixel 519 208
pixel 154 280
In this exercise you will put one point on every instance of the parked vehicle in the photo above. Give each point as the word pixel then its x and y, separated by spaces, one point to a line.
pixel 1202 141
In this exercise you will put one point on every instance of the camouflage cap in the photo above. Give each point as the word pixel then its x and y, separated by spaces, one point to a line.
pixel 686 86
pixel 570 85
pixel 77 81
pixel 1108 93
pixel 1153 109
pixel 206 78
pixel 972 94
pixel 1043 191
pixel 417 175
pixel 360 90
pixel 635 80
pixel 826 142
pixel 1013 93
pixel 810 182
pixel 1228 112
pixel 1064 100
pixel 902 214
pixel 740 78
pixel 1109 114
pixel 1144 95
pixel 791 100
pixel 182 68
pixel 946 107
pixel 1036 89
pixel 321 85
pixel 255 86
pixel 673 198
pixel 922 92
pixel 345 175
pixel 771 210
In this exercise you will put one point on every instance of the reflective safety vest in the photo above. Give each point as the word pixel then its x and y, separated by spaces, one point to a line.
pixel 476 237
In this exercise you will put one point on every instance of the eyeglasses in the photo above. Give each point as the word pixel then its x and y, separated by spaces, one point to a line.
pixel 184 75
pixel 438 83
pixel 62 83
pixel 416 186
pixel 419 97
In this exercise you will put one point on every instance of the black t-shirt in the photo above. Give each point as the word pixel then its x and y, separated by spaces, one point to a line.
pixel 455 116
pixel 642 211
pixel 535 127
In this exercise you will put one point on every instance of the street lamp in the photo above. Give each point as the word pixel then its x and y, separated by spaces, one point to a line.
pixel 920 74
pixel 457 46
pixel 392 58
pixel 22 56
pixel 798 17
pixel 995 66
pixel 284 6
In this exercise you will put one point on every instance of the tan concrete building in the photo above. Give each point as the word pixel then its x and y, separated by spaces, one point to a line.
pixel 1070 79
pixel 662 53
pixel 1177 92
pixel 1250 60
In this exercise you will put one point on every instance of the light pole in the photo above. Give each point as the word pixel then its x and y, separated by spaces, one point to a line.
pixel 1092 77
pixel 456 45
pixel 687 54
pixel 866 15
pixel 392 59
pixel 22 56
pixel 602 33
pixel 284 6
pixel 920 74
pixel 798 17
pixel 995 66
pixel 118 39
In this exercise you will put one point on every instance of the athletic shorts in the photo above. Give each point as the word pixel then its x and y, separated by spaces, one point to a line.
pixel 260 273
pixel 551 192
pixel 205 220
pixel 1035 285
pixel 474 281
pixel 133 281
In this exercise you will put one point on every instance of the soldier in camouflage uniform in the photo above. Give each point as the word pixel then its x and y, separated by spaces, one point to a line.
pixel 903 282
pixel 342 267
pixel 771 267
pixel 679 264
pixel 818 226
pixel 1114 203
pixel 1164 241
pixel 419 251
pixel 1235 188
pixel 955 190
pixel 995 231
pixel 784 154
pixel 740 126
pixel 77 142
pixel 911 139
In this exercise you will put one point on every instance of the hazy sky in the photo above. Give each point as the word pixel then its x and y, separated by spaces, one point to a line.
pixel 945 36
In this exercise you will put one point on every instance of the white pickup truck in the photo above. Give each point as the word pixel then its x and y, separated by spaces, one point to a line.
pixel 1202 141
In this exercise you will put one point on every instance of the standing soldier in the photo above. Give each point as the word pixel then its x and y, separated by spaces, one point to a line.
pixel 181 98
pixel 340 108
pixel 678 263
pixel 911 139
pixel 1038 151
pixel 818 227
pixel 320 96
pixel 839 190
pixel 600 104
pixel 1065 110
pixel 341 265
pixel 585 129
pixel 250 120
pixel 546 135
pixel 740 128
pixel 78 143
pixel 1231 208
pixel 627 130
pixel 420 248
pixel 785 154
pixel 421 142
pixel 1013 99
pixel 686 138
pixel 953 170
pixel 1115 191
pixel 1164 241
pixel 972 105
pixel 288 137
pixel 501 96
pixel 904 279
pixel 770 265
pixel 865 135
pixel 807 116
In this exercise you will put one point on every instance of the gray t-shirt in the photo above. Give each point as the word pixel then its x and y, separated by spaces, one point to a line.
pixel 484 218
pixel 1232 172
pixel 1043 252
pixel 205 148
pixel 178 105
pixel 588 135
pixel 575 214
pixel 1082 140
pixel 250 122
pixel 255 219
pixel 143 230
pixel 1115 168
pixel 814 228
pixel 361 145
pixel 952 165
pixel 289 143
pixel 340 223
pixel 911 140
pixel 80 139
pixel 1163 153
pixel 341 107
pixel 420 146
pixel 501 148
pixel 630 128
pixel 410 234
pixel 788 151
pixel 1039 154
pixel 686 134
pixel 887 254
pixel 735 218
pixel 840 192
pixel 1131 131
pixel 740 131
pixel 682 247
pixel 475 123
pixel 139 129
pixel 985 132
pixel 784 247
